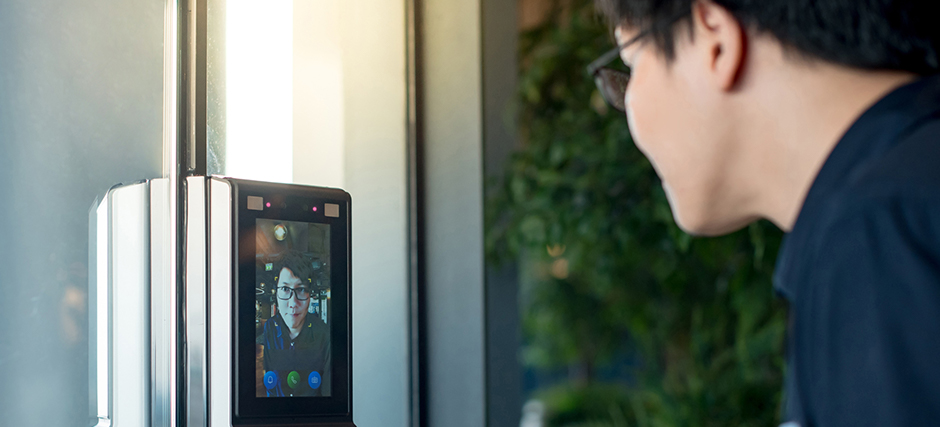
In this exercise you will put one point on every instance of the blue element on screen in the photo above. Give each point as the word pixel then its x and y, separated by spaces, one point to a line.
pixel 270 379
pixel 314 380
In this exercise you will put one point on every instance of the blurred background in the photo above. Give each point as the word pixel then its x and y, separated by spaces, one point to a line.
pixel 625 319
pixel 515 260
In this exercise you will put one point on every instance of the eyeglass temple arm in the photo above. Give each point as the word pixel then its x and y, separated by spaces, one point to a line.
pixel 603 60
pixel 598 63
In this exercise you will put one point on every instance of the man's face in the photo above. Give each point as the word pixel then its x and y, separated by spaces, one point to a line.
pixel 678 120
pixel 292 310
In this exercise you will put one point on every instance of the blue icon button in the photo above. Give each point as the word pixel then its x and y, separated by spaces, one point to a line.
pixel 270 379
pixel 314 380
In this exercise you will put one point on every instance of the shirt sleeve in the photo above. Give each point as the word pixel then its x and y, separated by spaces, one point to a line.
pixel 868 327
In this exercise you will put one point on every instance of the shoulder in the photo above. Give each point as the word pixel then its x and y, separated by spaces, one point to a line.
pixel 867 314
pixel 879 254
pixel 897 183
pixel 314 331
pixel 271 326
pixel 315 324
pixel 911 167
pixel 899 189
pixel 881 231
pixel 884 223
pixel 886 211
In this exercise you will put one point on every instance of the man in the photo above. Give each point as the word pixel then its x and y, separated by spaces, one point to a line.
pixel 296 355
pixel 822 116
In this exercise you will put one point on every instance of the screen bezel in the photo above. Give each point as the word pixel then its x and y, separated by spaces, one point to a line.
pixel 286 205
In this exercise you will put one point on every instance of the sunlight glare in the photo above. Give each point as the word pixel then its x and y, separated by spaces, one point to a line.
pixel 259 86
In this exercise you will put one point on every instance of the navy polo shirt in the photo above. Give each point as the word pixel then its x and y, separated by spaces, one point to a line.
pixel 308 352
pixel 861 270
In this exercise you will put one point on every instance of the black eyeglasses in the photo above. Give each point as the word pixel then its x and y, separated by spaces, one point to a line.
pixel 284 292
pixel 613 83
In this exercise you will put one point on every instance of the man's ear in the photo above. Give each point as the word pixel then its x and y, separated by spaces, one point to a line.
pixel 723 42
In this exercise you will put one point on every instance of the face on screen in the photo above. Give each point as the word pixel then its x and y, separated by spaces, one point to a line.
pixel 292 303
pixel 293 299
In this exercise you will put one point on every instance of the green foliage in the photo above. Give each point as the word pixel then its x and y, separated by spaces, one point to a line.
pixel 607 271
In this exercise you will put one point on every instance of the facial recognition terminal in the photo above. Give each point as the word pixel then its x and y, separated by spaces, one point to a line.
pixel 257 333
pixel 290 301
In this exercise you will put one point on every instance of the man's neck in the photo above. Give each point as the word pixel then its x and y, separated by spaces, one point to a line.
pixel 802 111
pixel 293 332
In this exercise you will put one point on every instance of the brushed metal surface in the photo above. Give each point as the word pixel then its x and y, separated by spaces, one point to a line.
pixel 195 304
pixel 98 314
pixel 121 305
pixel 130 305
pixel 162 306
pixel 220 303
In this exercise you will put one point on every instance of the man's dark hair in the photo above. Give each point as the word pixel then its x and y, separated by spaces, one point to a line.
pixel 298 263
pixel 866 34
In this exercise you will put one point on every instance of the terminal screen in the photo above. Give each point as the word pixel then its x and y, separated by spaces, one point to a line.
pixel 292 309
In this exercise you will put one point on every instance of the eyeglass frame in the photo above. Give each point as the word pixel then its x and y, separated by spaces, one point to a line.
pixel 293 293
pixel 598 67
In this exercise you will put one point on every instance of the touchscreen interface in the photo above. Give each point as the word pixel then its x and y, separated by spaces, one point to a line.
pixel 292 309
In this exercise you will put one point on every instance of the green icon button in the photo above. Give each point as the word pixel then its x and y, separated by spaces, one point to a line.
pixel 293 378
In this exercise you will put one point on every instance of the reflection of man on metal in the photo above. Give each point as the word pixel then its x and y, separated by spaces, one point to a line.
pixel 296 346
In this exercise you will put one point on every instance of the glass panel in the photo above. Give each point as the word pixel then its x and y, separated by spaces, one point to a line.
pixel 81 109
pixel 313 92
pixel 277 91
pixel 259 90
